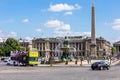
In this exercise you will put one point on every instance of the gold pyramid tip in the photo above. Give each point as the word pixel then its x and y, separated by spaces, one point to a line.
pixel 92 4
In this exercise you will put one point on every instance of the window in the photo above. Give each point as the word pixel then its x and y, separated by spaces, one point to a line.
pixel 34 50
pixel 33 59
pixel 13 58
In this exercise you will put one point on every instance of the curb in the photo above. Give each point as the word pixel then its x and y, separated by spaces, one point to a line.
pixel 72 64
pixel 115 62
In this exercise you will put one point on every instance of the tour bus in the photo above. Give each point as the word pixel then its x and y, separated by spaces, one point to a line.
pixel 24 58
pixel 33 56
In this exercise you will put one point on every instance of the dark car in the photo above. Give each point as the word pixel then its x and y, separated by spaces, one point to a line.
pixel 4 59
pixel 100 65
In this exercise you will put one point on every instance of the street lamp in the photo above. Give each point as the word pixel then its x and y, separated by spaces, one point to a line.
pixel 51 59
pixel 77 58
pixel 81 59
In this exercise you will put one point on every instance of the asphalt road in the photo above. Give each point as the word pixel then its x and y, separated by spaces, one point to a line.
pixel 57 73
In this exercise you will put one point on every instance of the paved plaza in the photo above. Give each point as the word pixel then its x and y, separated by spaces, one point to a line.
pixel 57 73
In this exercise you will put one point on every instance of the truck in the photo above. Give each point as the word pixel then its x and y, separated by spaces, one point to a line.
pixel 24 58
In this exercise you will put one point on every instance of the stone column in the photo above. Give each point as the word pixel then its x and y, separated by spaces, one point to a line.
pixel 93 37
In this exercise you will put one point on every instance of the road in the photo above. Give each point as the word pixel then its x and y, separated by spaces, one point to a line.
pixel 57 73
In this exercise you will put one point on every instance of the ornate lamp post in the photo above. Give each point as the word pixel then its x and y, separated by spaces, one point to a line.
pixel 77 58
pixel 51 59
pixel 81 59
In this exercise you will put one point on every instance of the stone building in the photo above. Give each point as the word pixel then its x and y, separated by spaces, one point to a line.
pixel 117 46
pixel 103 47
pixel 25 43
pixel 47 46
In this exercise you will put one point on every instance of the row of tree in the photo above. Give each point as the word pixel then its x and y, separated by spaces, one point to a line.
pixel 10 44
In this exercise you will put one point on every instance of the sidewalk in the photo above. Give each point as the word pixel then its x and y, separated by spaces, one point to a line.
pixel 114 62
pixel 84 63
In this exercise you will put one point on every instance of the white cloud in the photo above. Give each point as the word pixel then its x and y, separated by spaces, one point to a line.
pixel 117 21
pixel 86 33
pixel 58 25
pixel 116 24
pixel 1 39
pixel 12 34
pixel 53 23
pixel 62 29
pixel 63 7
pixel 2 34
pixel 28 38
pixel 38 30
pixel 25 20
pixel 7 34
pixel 115 40
pixel 65 27
pixel 68 13
pixel 61 33
pixel 70 33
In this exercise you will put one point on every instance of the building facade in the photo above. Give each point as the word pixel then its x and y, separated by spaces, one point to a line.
pixel 117 46
pixel 25 43
pixel 48 46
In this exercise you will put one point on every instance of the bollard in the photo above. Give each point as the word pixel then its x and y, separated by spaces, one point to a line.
pixel 81 63
pixel 76 62
pixel 66 62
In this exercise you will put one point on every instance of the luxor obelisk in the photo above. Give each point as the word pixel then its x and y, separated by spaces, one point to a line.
pixel 93 37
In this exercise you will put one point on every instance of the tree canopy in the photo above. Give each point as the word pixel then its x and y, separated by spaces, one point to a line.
pixel 114 50
pixel 1 50
pixel 12 44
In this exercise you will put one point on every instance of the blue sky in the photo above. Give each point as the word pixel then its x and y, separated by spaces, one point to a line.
pixel 52 18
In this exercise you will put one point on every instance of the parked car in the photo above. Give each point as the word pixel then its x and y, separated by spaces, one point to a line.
pixel 4 59
pixel 12 62
pixel 56 59
pixel 100 65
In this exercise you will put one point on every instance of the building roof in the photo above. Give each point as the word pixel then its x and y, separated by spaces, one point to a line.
pixel 116 43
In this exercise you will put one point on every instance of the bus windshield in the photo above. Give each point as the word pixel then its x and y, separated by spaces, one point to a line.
pixel 33 59
pixel 33 50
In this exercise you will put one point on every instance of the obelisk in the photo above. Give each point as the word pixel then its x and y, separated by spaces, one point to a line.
pixel 93 37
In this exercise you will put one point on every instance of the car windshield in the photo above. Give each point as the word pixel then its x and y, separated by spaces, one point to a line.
pixel 99 62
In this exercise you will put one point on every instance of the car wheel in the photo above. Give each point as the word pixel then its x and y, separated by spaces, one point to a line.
pixel 108 68
pixel 93 68
pixel 8 64
pixel 101 68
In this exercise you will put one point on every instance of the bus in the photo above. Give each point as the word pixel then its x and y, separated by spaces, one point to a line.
pixel 33 56
pixel 24 58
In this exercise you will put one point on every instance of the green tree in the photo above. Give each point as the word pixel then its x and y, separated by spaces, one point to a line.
pixel 1 50
pixel 114 50
pixel 11 44
pixel 21 48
